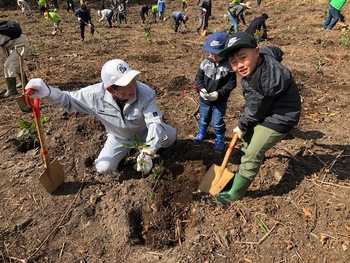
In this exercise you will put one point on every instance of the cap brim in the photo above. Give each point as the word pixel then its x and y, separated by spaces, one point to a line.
pixel 127 78
pixel 210 50
pixel 223 53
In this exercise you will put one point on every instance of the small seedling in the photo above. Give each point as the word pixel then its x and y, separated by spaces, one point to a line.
pixel 29 129
pixel 264 228
pixel 148 33
pixel 319 65
pixel 157 172
pixel 345 41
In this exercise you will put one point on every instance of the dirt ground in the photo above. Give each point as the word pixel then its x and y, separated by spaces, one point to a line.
pixel 297 209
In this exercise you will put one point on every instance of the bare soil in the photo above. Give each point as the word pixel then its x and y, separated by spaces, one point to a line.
pixel 297 209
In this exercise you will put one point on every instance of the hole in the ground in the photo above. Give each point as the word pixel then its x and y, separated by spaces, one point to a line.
pixel 136 228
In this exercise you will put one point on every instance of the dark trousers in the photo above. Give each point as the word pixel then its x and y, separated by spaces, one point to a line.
pixel 82 29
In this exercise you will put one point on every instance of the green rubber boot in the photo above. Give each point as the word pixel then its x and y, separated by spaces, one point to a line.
pixel 237 191
pixel 11 88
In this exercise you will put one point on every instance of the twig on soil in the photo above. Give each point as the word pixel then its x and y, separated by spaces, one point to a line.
pixel 332 184
pixel 263 238
pixel 54 230
pixel 6 132
pixel 61 252
pixel 155 253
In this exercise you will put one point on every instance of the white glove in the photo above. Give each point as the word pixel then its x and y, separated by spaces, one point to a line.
pixel 213 96
pixel 239 132
pixel 41 89
pixel 79 18
pixel 204 10
pixel 89 25
pixel 204 94
pixel 144 161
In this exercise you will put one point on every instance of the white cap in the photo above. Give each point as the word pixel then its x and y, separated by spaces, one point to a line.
pixel 117 72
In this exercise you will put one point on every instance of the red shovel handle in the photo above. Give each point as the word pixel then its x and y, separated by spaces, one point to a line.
pixel 36 105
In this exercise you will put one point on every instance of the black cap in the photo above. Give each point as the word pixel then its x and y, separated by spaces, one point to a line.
pixel 236 41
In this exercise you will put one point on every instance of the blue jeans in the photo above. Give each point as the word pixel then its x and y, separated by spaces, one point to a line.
pixel 215 115
pixel 332 19
pixel 233 21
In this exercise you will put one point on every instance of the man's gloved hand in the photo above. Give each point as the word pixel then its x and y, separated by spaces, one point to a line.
pixel 204 94
pixel 89 25
pixel 213 96
pixel 144 161
pixel 79 18
pixel 239 132
pixel 41 89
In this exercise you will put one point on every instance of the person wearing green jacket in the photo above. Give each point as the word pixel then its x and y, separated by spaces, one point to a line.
pixel 42 6
pixel 335 6
pixel 56 19
pixel 154 13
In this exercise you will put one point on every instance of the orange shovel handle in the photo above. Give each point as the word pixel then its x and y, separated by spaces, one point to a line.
pixel 36 113
pixel 229 151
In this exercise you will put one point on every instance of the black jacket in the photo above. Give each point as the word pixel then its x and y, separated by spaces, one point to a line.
pixel 271 96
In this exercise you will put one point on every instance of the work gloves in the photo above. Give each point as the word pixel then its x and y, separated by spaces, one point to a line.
pixel 41 89
pixel 239 132
pixel 79 18
pixel 144 161
pixel 212 96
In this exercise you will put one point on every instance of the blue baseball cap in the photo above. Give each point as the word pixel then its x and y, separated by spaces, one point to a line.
pixel 215 42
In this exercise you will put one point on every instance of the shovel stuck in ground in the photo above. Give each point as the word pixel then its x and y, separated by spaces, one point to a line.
pixel 53 175
pixel 21 101
pixel 217 177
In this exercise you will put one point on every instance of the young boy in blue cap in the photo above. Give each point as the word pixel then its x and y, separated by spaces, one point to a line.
pixel 214 80
pixel 272 106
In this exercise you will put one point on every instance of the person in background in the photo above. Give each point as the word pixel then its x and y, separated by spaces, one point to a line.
pixel 70 5
pixel 23 5
pixel 102 5
pixel 236 15
pixel 257 28
pixel 105 14
pixel 84 18
pixel 121 12
pixel 184 5
pixel 214 81
pixel 204 12
pixel 42 6
pixel 144 12
pixel 179 17
pixel 11 64
pixel 154 13
pixel 55 18
pixel 272 106
pixel 161 9
pixel 335 6
pixel 126 107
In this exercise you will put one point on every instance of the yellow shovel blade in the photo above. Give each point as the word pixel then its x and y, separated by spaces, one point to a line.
pixel 202 32
pixel 52 177
pixel 215 180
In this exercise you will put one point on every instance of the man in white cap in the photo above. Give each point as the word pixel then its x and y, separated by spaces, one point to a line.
pixel 125 106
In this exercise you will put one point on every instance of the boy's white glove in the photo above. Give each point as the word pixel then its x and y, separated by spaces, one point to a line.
pixel 144 161
pixel 213 96
pixel 204 94
pixel 41 89
pixel 239 132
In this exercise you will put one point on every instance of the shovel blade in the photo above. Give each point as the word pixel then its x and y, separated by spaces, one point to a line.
pixel 202 32
pixel 21 101
pixel 215 180
pixel 52 177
